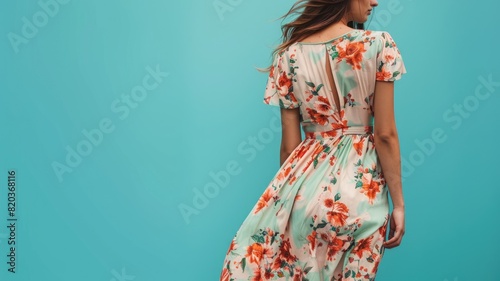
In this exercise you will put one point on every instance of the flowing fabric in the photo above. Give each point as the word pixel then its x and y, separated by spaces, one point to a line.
pixel 324 214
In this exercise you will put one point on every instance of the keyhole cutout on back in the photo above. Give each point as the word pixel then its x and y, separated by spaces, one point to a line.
pixel 332 82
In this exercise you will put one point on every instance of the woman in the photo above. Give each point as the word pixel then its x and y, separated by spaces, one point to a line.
pixel 325 213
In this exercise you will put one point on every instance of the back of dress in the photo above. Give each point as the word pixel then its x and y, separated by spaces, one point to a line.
pixel 357 59
pixel 324 214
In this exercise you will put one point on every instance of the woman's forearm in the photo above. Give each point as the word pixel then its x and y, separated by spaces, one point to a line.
pixel 390 159
pixel 283 156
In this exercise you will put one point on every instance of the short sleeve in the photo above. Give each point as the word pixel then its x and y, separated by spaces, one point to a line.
pixel 390 65
pixel 279 89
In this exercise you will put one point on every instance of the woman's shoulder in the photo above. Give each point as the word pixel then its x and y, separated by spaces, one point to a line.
pixel 382 34
pixel 382 38
pixel 376 33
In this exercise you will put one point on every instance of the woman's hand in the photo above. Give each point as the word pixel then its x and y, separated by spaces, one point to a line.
pixel 397 228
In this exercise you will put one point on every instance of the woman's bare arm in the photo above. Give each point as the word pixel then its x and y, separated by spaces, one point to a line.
pixel 387 147
pixel 290 133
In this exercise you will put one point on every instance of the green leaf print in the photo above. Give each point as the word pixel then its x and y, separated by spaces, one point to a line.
pixel 310 84
pixel 396 73
pixel 346 275
pixel 258 239
pixel 326 148
pixel 380 66
pixel 337 196
pixel 243 263
pixel 321 225
pixel 334 181
pixel 334 53
pixel 281 103
pixel 359 184
pixel 370 259
pixel 319 87
pixel 307 269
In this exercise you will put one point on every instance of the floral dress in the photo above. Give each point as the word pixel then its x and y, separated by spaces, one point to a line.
pixel 324 214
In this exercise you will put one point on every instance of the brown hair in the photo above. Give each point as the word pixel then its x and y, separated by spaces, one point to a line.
pixel 316 15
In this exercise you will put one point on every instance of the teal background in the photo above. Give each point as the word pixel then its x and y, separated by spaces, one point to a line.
pixel 116 215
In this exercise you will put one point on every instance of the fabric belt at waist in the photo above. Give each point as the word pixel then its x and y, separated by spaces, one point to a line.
pixel 348 130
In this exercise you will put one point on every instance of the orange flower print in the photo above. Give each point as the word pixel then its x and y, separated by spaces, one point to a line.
pixel 323 99
pixel 318 149
pixel 224 275
pixel 292 97
pixel 329 203
pixel 284 173
pixel 388 58
pixel 267 251
pixel 327 134
pixel 375 265
pixel 322 107
pixel 332 160
pixel 338 215
pixel 334 246
pixel 383 75
pixel 362 246
pixel 370 187
pixel 343 124
pixel 301 152
pixel 231 247
pixel 284 254
pixel 317 117
pixel 270 234
pixel 353 53
pixel 263 200
pixel 358 146
pixel 254 253
pixel 285 84
pixel 256 275
pixel 382 231
pixel 299 274
pixel 312 240
pixel 268 274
